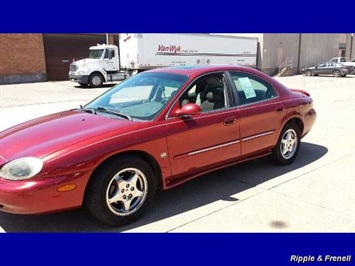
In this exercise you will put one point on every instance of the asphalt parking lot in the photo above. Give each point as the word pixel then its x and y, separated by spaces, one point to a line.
pixel 314 194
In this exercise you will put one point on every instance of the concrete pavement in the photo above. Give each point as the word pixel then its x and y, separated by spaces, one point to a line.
pixel 314 194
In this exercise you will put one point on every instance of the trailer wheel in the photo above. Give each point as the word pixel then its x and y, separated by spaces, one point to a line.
pixel 96 80
pixel 132 72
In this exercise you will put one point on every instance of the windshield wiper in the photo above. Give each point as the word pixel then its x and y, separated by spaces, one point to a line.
pixel 88 110
pixel 114 112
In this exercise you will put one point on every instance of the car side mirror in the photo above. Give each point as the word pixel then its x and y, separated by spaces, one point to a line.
pixel 189 109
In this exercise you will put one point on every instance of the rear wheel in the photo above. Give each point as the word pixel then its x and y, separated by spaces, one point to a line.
pixel 288 145
pixel 121 190
pixel 336 73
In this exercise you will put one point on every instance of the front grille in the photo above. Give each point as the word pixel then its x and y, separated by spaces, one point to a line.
pixel 73 67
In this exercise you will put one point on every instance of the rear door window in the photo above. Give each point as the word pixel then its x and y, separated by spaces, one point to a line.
pixel 251 89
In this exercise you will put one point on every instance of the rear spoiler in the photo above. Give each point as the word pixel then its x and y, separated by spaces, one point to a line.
pixel 301 91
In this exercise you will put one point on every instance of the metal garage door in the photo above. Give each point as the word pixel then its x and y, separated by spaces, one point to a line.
pixel 62 49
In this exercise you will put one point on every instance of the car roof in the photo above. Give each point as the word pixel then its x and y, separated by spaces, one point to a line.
pixel 195 71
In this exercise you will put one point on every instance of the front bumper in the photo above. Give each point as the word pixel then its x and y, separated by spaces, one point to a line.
pixel 41 195
pixel 79 78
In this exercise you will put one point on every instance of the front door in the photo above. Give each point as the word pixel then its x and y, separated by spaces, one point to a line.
pixel 206 140
pixel 321 69
pixel 110 60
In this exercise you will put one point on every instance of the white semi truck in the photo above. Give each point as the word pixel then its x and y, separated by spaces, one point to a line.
pixel 139 52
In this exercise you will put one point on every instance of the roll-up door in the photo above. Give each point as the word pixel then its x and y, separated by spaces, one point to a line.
pixel 62 49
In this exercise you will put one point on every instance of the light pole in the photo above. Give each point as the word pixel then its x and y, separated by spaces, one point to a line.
pixel 351 45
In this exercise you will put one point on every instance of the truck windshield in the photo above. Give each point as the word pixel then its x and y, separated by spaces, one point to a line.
pixel 141 97
pixel 95 54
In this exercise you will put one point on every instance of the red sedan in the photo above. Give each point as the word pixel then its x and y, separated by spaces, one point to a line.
pixel 153 131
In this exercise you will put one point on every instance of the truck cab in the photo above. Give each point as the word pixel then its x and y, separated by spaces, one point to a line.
pixel 101 66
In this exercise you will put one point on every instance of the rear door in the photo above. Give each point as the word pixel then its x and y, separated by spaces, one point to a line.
pixel 328 69
pixel 261 113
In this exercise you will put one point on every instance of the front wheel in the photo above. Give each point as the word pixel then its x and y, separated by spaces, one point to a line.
pixel 96 80
pixel 121 190
pixel 288 145
pixel 309 73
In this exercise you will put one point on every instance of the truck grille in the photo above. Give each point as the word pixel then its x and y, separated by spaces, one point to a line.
pixel 73 67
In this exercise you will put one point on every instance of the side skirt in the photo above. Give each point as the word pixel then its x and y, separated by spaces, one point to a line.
pixel 175 182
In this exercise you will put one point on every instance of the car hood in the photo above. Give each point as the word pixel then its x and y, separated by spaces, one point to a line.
pixel 43 136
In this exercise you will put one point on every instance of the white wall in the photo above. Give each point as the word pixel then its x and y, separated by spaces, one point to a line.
pixel 305 49
pixel 316 48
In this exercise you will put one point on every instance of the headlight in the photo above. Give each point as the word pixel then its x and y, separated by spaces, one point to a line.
pixel 21 169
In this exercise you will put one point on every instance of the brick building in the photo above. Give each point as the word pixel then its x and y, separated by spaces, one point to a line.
pixel 22 58
pixel 42 57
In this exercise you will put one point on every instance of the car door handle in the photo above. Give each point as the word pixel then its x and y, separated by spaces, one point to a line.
pixel 279 109
pixel 229 121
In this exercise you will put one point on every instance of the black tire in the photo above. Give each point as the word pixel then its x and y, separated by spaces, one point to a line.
pixel 336 73
pixel 288 145
pixel 96 80
pixel 309 73
pixel 130 180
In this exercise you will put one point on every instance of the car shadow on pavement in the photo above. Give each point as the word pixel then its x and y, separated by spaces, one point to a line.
pixel 216 186
pixel 331 76
pixel 103 86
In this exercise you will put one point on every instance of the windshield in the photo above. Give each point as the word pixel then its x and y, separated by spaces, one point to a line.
pixel 141 97
pixel 95 54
